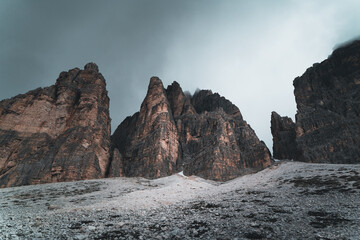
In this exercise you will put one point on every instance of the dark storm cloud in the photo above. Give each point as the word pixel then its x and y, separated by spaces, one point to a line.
pixel 127 39
pixel 347 42
pixel 248 51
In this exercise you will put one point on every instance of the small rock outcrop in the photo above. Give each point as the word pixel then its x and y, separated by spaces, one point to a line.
pixel 57 133
pixel 328 101
pixel 283 131
pixel 203 135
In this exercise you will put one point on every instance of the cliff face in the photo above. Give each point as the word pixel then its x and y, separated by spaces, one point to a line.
pixel 62 133
pixel 203 135
pixel 328 102
pixel 58 133
pixel 148 140
pixel 283 131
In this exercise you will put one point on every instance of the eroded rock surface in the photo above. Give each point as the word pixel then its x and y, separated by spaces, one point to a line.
pixel 283 131
pixel 203 135
pixel 328 102
pixel 58 133
pixel 148 140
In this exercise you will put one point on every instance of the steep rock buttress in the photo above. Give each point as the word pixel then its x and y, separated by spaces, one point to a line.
pixel 328 101
pixel 58 133
pixel 148 140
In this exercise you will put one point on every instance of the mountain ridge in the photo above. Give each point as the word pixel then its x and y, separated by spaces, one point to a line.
pixel 203 133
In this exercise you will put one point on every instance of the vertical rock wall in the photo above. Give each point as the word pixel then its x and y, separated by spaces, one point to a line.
pixel 58 133
pixel 328 101
pixel 283 131
pixel 148 141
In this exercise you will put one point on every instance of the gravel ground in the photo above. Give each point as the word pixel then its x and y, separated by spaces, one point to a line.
pixel 289 200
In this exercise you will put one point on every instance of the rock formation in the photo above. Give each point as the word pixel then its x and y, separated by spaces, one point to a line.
pixel 58 133
pixel 204 135
pixel 283 131
pixel 148 140
pixel 328 101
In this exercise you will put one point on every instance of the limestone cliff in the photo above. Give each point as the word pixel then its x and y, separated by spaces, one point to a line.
pixel 328 101
pixel 148 140
pixel 204 135
pixel 57 133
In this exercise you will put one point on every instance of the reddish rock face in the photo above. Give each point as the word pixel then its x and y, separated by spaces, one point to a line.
pixel 328 120
pixel 58 133
pixel 148 141
pixel 216 142
pixel 203 135
pixel 283 131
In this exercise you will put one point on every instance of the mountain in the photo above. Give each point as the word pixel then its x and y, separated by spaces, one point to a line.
pixel 62 133
pixel 328 112
pixel 58 133
pixel 203 135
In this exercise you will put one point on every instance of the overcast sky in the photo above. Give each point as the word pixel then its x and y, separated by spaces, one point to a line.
pixel 247 51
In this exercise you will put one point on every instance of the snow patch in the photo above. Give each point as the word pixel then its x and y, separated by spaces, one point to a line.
pixel 181 174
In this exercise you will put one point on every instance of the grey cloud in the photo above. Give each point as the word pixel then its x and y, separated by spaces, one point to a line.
pixel 347 42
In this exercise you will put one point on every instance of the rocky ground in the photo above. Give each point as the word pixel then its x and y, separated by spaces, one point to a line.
pixel 289 200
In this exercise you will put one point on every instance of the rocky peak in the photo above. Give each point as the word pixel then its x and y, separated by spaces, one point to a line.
pixel 148 140
pixel 155 95
pixel 154 107
pixel 333 83
pixel 328 119
pixel 91 67
pixel 58 133
pixel 168 135
pixel 205 100
pixel 179 102
pixel 155 88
